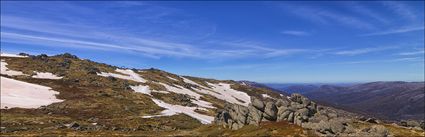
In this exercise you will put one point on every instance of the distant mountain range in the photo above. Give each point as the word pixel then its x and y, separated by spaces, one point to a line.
pixel 388 100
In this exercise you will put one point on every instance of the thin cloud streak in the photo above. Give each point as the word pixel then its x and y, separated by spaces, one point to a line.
pixel 326 17
pixel 295 33
pixel 396 31
pixel 72 43
pixel 356 7
pixel 400 9
pixel 412 53
pixel 413 59
pixel 362 51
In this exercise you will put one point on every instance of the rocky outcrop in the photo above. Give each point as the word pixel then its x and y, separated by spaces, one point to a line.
pixel 295 109
pixel 413 124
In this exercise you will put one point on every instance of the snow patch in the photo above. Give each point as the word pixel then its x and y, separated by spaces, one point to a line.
pixel 141 89
pixel 21 94
pixel 223 91
pixel 172 78
pixel 6 71
pixel 11 55
pixel 46 75
pixel 175 109
pixel 266 96
pixel 186 80
pixel 181 90
pixel 145 90
pixel 130 75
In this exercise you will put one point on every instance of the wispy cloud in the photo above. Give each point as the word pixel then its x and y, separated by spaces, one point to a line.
pixel 97 45
pixel 262 66
pixel 323 16
pixel 401 9
pixel 413 59
pixel 362 51
pixel 412 53
pixel 396 31
pixel 259 49
pixel 50 33
pixel 359 8
pixel 295 33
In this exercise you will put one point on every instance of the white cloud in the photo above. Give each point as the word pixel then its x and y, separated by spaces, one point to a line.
pixel 295 33
pixel 329 17
pixel 359 8
pixel 362 51
pixel 413 59
pixel 396 31
pixel 400 9
pixel 412 53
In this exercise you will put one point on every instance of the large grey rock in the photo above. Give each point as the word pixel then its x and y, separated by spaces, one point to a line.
pixel 323 126
pixel 239 113
pixel 283 102
pixel 283 113
pixel 336 125
pixel 254 115
pixel 270 111
pixel 222 117
pixel 291 117
pixel 257 104
pixel 303 112
pixel 376 130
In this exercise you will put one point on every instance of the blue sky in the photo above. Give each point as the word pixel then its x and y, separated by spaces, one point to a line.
pixel 259 41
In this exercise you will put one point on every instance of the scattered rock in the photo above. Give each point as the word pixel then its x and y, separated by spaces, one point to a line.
pixel 73 125
pixel 372 120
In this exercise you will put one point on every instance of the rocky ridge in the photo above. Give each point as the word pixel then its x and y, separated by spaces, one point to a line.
pixel 297 110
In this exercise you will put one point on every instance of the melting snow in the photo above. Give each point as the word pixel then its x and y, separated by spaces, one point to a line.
pixel 172 78
pixel 11 55
pixel 145 90
pixel 265 96
pixel 225 92
pixel 46 75
pixel 175 109
pixel 220 91
pixel 6 71
pixel 186 80
pixel 21 94
pixel 141 89
pixel 181 90
pixel 130 75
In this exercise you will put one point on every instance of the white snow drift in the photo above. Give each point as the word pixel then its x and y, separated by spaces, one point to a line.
pixel 266 96
pixel 21 94
pixel 175 109
pixel 4 70
pixel 129 75
pixel 142 89
pixel 11 55
pixel 189 81
pixel 223 91
pixel 45 75
pixel 196 97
